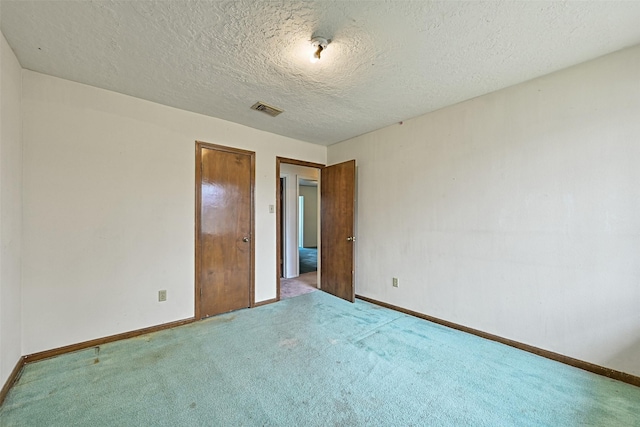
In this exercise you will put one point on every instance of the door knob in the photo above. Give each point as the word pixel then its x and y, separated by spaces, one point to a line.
pixel 351 239
pixel 245 239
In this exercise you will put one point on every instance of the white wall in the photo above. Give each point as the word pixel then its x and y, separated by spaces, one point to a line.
pixel 109 209
pixel 310 194
pixel 10 210
pixel 516 213
pixel 292 173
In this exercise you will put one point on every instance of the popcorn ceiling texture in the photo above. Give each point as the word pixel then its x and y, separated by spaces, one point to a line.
pixel 387 62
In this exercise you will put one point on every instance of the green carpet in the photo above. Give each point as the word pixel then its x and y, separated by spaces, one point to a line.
pixel 308 258
pixel 313 360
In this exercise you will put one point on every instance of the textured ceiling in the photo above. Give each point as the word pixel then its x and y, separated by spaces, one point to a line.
pixel 388 60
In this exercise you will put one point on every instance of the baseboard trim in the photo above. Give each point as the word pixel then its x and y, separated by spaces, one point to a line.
pixel 587 366
pixel 265 302
pixel 13 377
pixel 30 358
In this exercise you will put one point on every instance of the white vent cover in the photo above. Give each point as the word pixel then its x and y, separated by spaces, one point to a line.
pixel 266 108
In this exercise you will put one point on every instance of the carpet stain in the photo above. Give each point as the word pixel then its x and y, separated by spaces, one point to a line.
pixel 96 360
pixel 288 343
pixel 345 413
pixel 193 405
pixel 221 319
pixel 227 319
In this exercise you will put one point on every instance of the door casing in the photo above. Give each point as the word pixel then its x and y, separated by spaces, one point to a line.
pixel 279 213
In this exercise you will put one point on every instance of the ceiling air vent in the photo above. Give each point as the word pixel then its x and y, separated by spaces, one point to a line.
pixel 265 108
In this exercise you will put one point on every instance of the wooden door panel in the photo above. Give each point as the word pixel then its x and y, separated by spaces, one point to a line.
pixel 225 265
pixel 337 200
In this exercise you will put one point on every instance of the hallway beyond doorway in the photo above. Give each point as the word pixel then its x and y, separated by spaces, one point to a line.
pixel 308 259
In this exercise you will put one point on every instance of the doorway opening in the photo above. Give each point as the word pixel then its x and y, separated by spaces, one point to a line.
pixel 299 227
pixel 335 210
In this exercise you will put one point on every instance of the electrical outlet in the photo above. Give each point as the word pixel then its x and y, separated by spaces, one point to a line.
pixel 395 282
pixel 162 295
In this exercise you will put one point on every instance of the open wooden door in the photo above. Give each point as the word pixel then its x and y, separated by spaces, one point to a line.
pixel 337 218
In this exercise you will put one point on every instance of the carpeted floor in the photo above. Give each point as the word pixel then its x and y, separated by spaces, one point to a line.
pixel 314 360
pixel 296 286
pixel 308 259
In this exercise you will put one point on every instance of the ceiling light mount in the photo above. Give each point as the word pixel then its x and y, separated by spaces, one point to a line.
pixel 319 44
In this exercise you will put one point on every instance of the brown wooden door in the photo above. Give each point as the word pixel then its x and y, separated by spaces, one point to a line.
pixel 224 249
pixel 337 200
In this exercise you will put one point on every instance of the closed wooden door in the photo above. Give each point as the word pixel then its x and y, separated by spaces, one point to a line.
pixel 337 200
pixel 224 221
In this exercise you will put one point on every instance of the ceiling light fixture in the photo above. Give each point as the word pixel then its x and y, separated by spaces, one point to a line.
pixel 319 44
